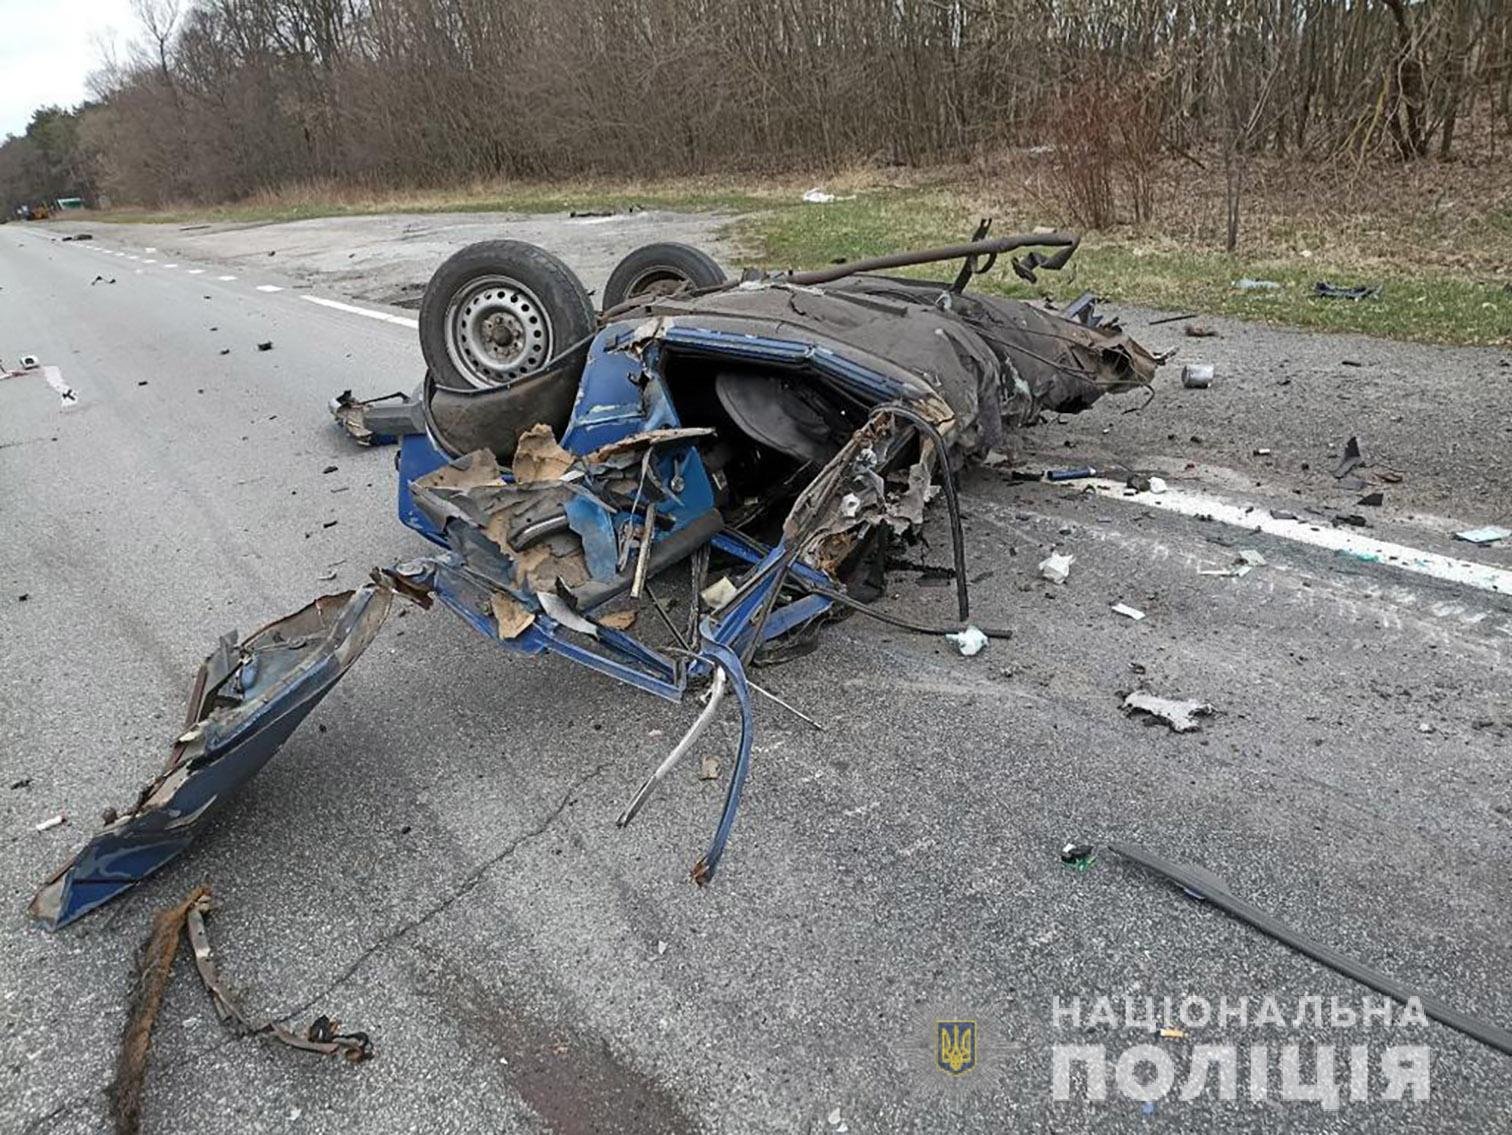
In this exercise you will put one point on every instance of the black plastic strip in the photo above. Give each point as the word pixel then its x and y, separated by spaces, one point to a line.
pixel 1205 885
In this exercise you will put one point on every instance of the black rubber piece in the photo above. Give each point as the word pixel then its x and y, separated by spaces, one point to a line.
pixel 1204 884
pixel 654 266
pixel 560 292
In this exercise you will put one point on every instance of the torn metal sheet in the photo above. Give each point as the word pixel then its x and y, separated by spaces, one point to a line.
pixel 246 701
pixel 1181 716
pixel 378 421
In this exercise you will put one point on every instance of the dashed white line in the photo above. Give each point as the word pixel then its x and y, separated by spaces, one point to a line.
pixel 132 256
pixel 149 261
pixel 225 279
pixel 195 271
pixel 1363 548
pixel 269 288
pixel 386 317
pixel 170 265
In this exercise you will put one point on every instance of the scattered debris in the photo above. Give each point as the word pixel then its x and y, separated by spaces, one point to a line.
pixel 1373 500
pixel 378 421
pixel 1351 460
pixel 1078 855
pixel 51 821
pixel 1128 612
pixel 1251 557
pixel 225 350
pixel 1262 451
pixel 1166 1032
pixel 1490 534
pixel 1199 331
pixel 1351 362
pixel 1282 514
pixel 817 196
pixel 1056 567
pixel 1138 482
pixel 1197 376
pixel 1351 519
pixel 24 782
pixel 1080 473
pixel 1181 716
pixel 1324 290
pixel 708 768
pixel 1246 284
pixel 101 280
pixel 969 642
pixel 330 469
pixel 266 345
pixel 1157 485
pixel 1172 318
pixel 155 967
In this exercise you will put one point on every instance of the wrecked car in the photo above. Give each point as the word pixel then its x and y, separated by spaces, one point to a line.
pixel 755 444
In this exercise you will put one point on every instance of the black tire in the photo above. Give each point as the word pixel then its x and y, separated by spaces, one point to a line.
pixel 659 269
pixel 498 310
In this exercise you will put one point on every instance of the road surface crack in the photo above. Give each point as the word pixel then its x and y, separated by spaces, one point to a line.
pixel 468 883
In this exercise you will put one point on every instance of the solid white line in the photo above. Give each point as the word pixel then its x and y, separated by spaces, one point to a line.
pixel 225 279
pixel 386 317
pixel 1258 518
pixel 269 288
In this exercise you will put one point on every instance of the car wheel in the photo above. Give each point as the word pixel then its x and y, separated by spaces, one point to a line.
pixel 659 270
pixel 498 310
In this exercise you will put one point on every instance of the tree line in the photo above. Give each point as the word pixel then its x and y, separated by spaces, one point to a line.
pixel 217 99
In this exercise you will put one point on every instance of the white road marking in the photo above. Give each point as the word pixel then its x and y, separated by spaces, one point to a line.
pixel 225 279
pixel 195 271
pixel 269 288
pixel 170 265
pixel 386 317
pixel 132 256
pixel 149 261
pixel 1350 543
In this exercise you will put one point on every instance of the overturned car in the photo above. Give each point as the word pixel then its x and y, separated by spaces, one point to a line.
pixel 755 444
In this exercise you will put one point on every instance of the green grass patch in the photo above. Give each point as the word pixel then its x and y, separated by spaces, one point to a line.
pixel 1428 306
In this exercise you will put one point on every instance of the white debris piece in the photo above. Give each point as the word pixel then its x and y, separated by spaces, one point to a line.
pixel 1197 376
pixel 1128 612
pixel 51 822
pixel 1157 485
pixel 1056 567
pixel 850 505
pixel 1490 534
pixel 1179 715
pixel 718 593
pixel 969 642
pixel 1251 557
pixel 817 196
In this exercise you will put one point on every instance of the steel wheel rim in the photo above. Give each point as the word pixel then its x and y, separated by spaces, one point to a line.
pixel 656 283
pixel 496 331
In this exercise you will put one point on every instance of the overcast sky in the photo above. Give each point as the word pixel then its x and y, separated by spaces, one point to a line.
pixel 47 49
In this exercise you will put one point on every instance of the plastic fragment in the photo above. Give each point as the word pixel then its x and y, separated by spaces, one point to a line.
pixel 1128 612
pixel 969 642
pixel 1056 567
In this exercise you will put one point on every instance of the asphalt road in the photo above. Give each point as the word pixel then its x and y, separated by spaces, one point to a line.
pixel 433 857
